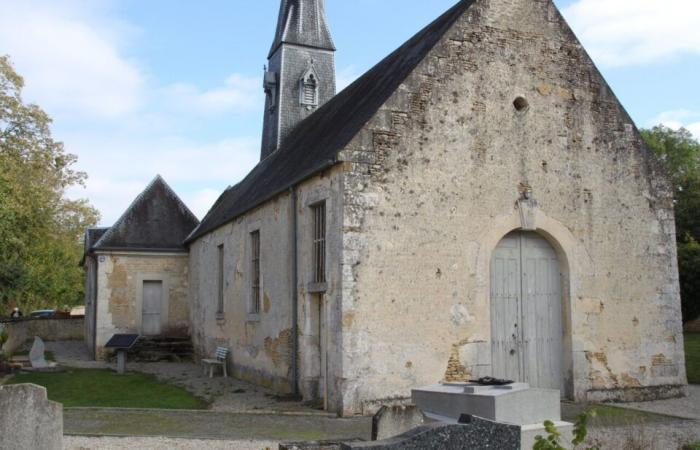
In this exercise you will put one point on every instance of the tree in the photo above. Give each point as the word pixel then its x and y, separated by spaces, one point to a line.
pixel 40 229
pixel 680 154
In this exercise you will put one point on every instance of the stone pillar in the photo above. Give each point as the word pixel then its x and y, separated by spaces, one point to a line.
pixel 28 420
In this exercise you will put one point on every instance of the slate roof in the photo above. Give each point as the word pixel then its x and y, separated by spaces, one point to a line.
pixel 157 220
pixel 92 235
pixel 303 22
pixel 314 144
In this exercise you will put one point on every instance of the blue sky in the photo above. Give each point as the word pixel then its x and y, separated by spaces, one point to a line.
pixel 139 87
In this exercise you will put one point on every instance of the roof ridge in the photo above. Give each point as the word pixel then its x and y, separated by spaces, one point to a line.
pixel 313 145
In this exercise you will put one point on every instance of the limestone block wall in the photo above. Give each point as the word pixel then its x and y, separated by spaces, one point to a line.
pixel 21 331
pixel 431 186
pixel 120 278
pixel 262 345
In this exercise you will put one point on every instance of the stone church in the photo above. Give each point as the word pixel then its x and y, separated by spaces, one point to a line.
pixel 478 203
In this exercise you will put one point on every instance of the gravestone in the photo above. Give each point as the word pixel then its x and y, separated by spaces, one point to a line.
pixel 28 420
pixel 393 420
pixel 515 404
pixel 36 355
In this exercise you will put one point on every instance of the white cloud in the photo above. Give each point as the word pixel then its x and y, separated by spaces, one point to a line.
pixel 201 201
pixel 690 120
pixel 238 93
pixel 70 57
pixel 629 32
pixel 124 127
pixel 120 170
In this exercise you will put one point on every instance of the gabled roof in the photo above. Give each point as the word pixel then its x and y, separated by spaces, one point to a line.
pixel 92 235
pixel 314 144
pixel 157 220
pixel 303 22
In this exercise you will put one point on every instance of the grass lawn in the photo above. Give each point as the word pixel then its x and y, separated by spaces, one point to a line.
pixel 612 416
pixel 104 388
pixel 692 357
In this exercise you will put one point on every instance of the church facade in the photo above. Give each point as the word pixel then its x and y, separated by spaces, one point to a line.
pixel 478 203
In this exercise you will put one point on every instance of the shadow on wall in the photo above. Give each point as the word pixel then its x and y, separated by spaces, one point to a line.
pixel 21 331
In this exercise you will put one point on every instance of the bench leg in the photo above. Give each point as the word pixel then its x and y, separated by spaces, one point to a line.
pixel 225 370
pixel 211 370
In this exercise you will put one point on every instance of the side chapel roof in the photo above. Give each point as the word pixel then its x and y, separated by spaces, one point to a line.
pixel 157 220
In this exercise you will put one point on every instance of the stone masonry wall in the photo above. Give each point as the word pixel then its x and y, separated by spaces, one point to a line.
pixel 262 345
pixel 431 186
pixel 21 331
pixel 120 294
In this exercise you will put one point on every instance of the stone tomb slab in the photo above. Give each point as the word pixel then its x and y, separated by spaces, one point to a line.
pixel 516 404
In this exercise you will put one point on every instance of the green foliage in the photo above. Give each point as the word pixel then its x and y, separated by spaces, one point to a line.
pixel 689 270
pixel 105 388
pixel 40 229
pixel 553 441
pixel 692 357
pixel 680 154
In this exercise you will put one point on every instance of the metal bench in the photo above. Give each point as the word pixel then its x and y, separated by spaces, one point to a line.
pixel 219 360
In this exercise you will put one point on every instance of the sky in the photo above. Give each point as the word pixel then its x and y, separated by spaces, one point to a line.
pixel 172 87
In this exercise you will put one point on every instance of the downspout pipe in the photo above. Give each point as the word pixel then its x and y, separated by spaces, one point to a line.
pixel 295 293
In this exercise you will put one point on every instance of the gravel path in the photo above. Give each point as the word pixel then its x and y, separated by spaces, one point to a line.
pixel 108 443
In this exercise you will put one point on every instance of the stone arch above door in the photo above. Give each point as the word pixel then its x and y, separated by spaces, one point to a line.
pixel 575 263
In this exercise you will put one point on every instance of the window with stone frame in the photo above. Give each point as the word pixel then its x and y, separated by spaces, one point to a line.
pixel 255 272
pixel 319 242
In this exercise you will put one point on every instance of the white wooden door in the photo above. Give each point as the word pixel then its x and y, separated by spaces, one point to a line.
pixel 526 322
pixel 152 303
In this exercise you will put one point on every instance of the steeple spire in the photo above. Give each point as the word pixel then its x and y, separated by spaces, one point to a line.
pixel 300 76
pixel 303 22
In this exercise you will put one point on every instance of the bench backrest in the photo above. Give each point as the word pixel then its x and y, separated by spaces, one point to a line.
pixel 221 353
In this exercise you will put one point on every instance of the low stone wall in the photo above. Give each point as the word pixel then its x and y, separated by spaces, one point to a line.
pixel 23 330
pixel 693 326
pixel 28 419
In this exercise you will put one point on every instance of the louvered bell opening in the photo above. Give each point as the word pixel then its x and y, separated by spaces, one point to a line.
pixel 310 96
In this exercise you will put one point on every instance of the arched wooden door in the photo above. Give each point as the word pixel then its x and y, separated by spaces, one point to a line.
pixel 526 311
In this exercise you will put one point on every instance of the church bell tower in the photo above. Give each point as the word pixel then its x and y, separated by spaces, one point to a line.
pixel 300 75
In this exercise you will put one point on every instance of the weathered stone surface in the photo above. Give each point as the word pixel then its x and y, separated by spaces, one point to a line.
pixel 393 420
pixel 29 421
pixel 36 354
pixel 120 277
pixel 518 406
pixel 418 201
pixel 21 331
pixel 479 434
pixel 315 445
